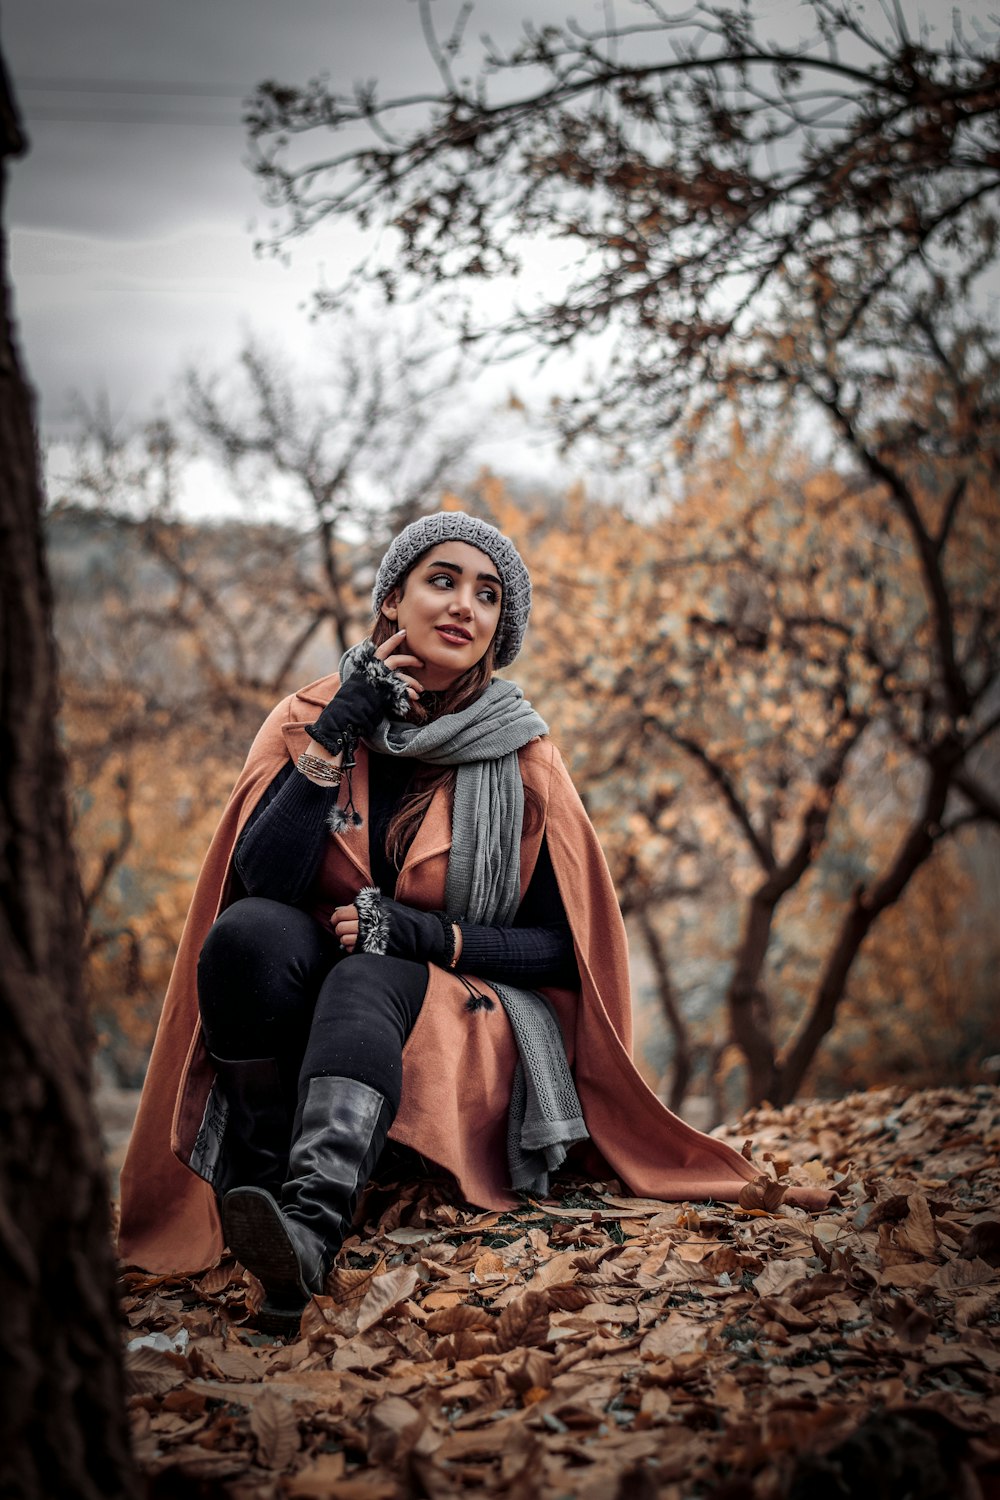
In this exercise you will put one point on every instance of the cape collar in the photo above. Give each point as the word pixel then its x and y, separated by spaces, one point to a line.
pixel 433 837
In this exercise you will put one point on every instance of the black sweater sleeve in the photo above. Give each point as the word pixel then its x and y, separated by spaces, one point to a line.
pixel 538 949
pixel 280 847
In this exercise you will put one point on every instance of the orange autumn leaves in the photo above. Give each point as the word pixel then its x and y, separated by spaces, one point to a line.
pixel 559 1348
pixel 748 688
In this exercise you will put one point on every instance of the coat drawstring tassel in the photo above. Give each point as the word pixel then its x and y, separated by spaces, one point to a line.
pixel 477 1000
pixel 342 818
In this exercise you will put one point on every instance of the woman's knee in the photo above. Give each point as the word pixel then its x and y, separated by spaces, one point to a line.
pixel 262 962
pixel 253 925
pixel 372 981
pixel 365 1011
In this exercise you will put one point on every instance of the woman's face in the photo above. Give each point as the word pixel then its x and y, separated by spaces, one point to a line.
pixel 449 606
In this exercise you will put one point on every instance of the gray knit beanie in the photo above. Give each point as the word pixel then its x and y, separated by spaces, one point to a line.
pixel 455 526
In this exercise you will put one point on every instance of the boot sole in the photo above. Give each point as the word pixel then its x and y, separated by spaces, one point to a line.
pixel 256 1235
pixel 285 1322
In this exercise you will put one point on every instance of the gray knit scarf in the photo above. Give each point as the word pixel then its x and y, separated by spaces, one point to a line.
pixel 482 741
pixel 483 886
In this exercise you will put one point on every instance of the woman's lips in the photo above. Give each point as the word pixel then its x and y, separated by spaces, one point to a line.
pixel 453 634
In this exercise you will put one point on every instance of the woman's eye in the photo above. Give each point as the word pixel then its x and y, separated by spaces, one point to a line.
pixel 446 581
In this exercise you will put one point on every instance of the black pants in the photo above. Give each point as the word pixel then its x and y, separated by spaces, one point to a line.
pixel 273 983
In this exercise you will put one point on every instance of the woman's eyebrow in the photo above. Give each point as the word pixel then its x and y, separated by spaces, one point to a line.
pixel 457 568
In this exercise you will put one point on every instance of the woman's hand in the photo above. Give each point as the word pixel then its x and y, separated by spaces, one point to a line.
pixel 395 660
pixel 380 686
pixel 344 925
pixel 377 924
pixel 403 931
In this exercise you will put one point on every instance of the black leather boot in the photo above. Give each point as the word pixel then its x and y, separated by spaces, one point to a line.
pixel 341 1128
pixel 259 1127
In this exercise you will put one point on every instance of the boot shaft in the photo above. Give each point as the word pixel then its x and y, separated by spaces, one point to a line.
pixel 340 1130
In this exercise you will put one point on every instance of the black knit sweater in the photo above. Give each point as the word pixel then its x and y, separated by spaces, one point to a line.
pixel 280 849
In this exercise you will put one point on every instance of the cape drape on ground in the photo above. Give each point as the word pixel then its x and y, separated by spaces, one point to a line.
pixel 458 1065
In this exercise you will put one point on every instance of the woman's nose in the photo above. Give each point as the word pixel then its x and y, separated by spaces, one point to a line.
pixel 460 604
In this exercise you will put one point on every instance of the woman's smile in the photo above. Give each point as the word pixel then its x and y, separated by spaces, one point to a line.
pixel 454 633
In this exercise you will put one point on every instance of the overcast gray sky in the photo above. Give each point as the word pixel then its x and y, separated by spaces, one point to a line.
pixel 132 216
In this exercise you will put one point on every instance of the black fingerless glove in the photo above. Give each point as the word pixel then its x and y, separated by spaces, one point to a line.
pixel 387 926
pixel 372 691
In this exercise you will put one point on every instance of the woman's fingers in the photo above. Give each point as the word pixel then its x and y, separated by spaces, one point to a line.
pixel 413 687
pixel 393 657
pixel 396 660
pixel 391 646
pixel 344 925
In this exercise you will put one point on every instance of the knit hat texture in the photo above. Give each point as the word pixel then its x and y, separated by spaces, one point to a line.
pixel 455 526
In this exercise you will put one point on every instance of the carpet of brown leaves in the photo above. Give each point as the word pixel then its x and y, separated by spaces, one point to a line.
pixel 597 1345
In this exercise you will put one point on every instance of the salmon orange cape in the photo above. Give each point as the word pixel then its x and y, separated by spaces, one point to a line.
pixel 458 1065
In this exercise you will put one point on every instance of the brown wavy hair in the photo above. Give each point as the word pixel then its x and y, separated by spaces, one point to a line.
pixel 466 689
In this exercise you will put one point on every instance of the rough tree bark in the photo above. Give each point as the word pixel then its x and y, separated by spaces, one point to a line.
pixel 62 1413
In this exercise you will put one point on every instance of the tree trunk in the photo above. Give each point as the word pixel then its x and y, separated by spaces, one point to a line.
pixel 864 912
pixel 749 1016
pixel 749 1012
pixel 681 1069
pixel 62 1415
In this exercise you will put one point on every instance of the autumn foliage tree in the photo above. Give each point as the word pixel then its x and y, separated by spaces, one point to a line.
pixel 747 678
pixel 742 206
pixel 177 638
pixel 772 230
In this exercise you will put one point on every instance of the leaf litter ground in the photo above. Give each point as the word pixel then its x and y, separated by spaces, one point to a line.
pixel 597 1345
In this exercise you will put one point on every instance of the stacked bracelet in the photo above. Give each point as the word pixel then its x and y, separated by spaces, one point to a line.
pixel 320 772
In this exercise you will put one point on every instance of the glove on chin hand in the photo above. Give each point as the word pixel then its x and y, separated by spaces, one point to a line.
pixel 371 692
pixel 387 926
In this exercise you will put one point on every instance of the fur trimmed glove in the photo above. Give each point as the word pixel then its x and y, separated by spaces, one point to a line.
pixel 387 926
pixel 363 701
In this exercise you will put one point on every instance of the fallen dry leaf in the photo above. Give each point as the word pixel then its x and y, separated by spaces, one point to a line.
pixel 608 1347
pixel 316 1481
pixel 460 1316
pixel 273 1424
pixel 153 1372
pixel 385 1293
pixel 779 1274
pixel 679 1334
pixel 762 1193
pixel 523 1323
pixel 348 1286
pixel 916 1231
pixel 489 1264
pixel 982 1243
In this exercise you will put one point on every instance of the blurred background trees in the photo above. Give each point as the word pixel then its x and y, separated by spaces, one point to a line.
pixel 177 637
pixel 772 663
pixel 742 690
